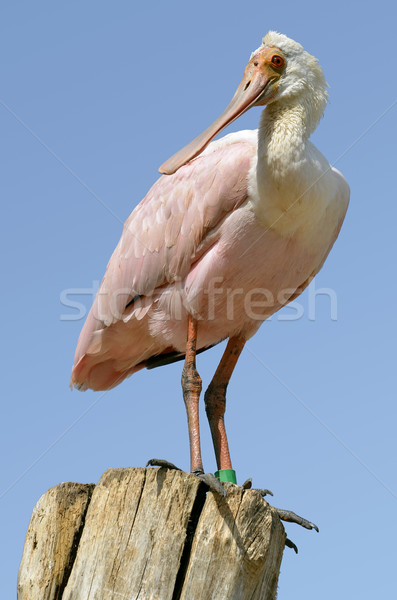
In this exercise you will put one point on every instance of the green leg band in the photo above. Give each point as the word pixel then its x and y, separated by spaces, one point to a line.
pixel 227 475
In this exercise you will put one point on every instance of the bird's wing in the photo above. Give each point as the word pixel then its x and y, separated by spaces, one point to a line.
pixel 167 232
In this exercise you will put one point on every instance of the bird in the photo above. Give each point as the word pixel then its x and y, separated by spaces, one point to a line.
pixel 233 230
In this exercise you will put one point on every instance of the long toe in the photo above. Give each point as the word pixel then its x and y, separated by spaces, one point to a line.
pixel 247 485
pixel 208 478
pixel 264 492
pixel 213 483
pixel 291 517
pixel 159 462
pixel 290 544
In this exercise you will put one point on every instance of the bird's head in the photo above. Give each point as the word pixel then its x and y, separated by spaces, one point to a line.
pixel 302 79
pixel 281 71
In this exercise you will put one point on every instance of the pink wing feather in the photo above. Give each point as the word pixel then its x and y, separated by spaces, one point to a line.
pixel 167 232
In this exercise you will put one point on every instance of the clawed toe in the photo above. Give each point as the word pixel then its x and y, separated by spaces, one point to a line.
pixel 290 544
pixel 264 492
pixel 210 481
pixel 159 462
pixel 216 486
pixel 213 483
pixel 247 485
pixel 291 517
pixel 285 515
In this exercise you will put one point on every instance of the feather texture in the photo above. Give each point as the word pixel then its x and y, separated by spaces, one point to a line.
pixel 169 231
pixel 230 237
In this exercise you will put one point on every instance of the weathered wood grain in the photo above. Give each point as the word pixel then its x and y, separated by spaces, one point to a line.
pixel 151 534
pixel 134 535
pixel 51 541
pixel 237 549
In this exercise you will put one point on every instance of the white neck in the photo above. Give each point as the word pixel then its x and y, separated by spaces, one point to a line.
pixel 288 163
pixel 284 131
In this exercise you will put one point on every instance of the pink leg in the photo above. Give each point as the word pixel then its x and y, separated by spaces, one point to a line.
pixel 191 386
pixel 215 401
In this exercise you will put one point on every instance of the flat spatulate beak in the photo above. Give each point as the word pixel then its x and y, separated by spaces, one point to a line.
pixel 253 89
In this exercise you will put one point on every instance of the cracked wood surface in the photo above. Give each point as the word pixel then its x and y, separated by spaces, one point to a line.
pixel 237 549
pixel 52 540
pixel 151 534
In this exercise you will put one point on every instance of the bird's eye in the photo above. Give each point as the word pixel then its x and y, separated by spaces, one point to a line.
pixel 277 61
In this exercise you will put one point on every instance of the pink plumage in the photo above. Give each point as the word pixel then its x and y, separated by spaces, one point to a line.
pixel 232 233
pixel 167 237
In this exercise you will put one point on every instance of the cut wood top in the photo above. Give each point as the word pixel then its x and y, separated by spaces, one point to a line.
pixel 151 534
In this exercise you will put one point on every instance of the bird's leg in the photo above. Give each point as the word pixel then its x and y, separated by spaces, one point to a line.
pixel 191 386
pixel 215 401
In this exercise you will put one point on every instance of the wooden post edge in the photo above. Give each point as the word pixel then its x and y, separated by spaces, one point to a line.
pixel 151 534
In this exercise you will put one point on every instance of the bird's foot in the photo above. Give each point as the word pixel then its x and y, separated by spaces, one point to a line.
pixel 247 485
pixel 291 517
pixel 207 478
pixel 213 483
pixel 164 464
pixel 290 544
pixel 284 515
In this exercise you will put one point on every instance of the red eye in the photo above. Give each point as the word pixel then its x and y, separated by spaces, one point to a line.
pixel 277 61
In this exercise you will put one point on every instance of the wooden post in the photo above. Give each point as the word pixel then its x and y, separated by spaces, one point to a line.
pixel 151 534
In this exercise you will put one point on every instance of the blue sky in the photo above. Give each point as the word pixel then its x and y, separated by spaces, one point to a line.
pixel 95 96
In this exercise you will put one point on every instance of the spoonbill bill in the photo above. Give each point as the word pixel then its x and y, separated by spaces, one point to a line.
pixel 232 231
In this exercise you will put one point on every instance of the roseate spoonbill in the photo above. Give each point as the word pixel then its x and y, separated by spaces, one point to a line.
pixel 229 234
